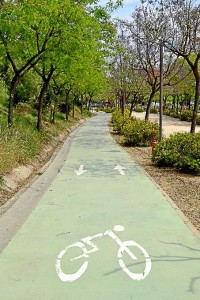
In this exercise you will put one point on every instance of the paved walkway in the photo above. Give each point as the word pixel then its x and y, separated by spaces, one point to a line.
pixel 170 125
pixel 102 231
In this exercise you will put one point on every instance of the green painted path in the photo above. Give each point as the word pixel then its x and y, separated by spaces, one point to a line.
pixel 129 217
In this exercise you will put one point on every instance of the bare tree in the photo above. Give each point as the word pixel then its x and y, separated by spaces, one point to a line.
pixel 184 39
pixel 147 30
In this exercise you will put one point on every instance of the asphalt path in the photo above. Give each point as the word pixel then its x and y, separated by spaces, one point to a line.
pixel 101 229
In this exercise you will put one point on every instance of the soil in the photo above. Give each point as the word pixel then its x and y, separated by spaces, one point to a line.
pixel 21 176
pixel 183 189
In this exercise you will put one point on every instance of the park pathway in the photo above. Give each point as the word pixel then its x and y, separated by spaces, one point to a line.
pixel 101 231
pixel 170 125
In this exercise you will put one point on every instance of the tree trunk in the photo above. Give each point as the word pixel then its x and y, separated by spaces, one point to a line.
pixel 41 97
pixel 177 102
pixel 149 105
pixel 67 105
pixel 132 105
pixel 173 102
pixel 196 103
pixel 81 104
pixel 11 100
pixel 52 113
pixel 89 104
pixel 73 108
pixel 40 109
pixel 123 102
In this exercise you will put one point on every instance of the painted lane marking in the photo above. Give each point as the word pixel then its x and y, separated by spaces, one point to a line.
pixel 124 248
pixel 120 169
pixel 80 171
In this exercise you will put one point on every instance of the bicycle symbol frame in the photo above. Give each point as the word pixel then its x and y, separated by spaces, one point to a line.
pixel 123 248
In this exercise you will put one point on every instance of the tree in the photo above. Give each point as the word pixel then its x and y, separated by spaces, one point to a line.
pixel 24 36
pixel 185 40
pixel 181 35
pixel 145 32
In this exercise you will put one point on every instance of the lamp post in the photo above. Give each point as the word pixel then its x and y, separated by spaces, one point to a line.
pixel 161 91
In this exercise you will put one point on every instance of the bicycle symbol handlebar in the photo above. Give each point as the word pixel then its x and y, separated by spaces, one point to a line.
pixel 88 241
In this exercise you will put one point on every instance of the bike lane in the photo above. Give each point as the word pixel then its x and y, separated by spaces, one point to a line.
pixel 96 198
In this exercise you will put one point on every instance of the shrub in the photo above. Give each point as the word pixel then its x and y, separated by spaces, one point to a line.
pixel 153 110
pixel 139 132
pixel 24 107
pixel 119 120
pixel 186 115
pixel 109 110
pixel 139 109
pixel 174 114
pixel 167 112
pixel 181 150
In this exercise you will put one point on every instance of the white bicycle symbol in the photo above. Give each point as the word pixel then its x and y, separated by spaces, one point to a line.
pixel 123 248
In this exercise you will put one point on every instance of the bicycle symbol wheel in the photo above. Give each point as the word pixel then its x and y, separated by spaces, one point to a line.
pixel 71 277
pixel 134 276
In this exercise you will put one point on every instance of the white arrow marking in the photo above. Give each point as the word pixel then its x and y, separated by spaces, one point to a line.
pixel 120 169
pixel 80 171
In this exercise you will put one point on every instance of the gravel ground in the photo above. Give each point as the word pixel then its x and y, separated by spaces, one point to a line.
pixel 183 189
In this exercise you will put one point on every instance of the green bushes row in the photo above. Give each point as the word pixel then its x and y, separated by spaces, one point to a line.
pixel 109 110
pixel 185 115
pixel 181 150
pixel 119 120
pixel 139 109
pixel 136 132
pixel 153 110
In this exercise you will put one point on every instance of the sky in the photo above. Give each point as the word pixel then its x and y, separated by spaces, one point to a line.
pixel 127 9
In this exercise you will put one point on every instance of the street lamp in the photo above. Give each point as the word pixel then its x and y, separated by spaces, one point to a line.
pixel 168 46
pixel 161 91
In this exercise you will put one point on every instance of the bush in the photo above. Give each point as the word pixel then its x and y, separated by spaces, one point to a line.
pixel 139 109
pixel 153 110
pixel 174 114
pixel 186 115
pixel 119 120
pixel 167 112
pixel 109 110
pixel 181 150
pixel 24 107
pixel 139 132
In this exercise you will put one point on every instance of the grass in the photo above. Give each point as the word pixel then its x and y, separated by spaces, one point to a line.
pixel 22 142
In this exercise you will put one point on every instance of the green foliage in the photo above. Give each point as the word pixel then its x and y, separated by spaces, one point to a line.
pixel 109 110
pixel 181 150
pixel 24 107
pixel 167 112
pixel 3 94
pixel 22 142
pixel 174 114
pixel 18 144
pixel 139 109
pixel 153 110
pixel 186 115
pixel 136 132
pixel 119 120
pixel 87 113
pixel 139 132
pixel 68 40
